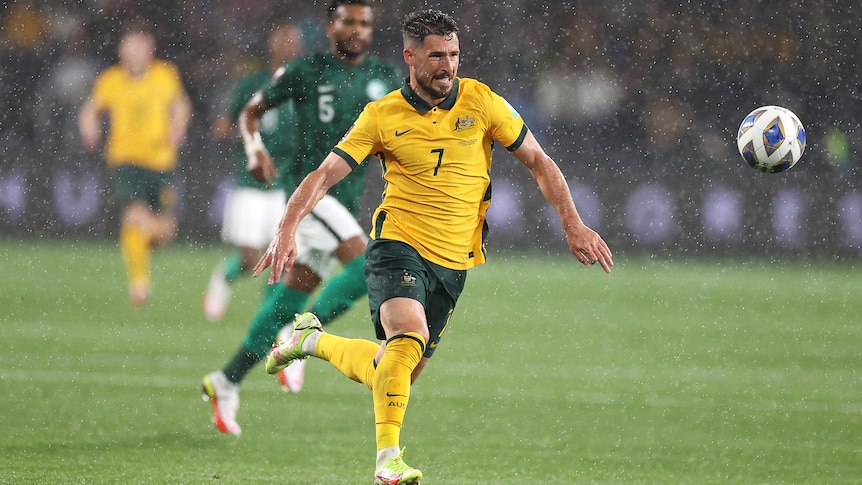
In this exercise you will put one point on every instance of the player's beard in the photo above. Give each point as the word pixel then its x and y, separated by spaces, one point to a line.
pixel 349 51
pixel 427 85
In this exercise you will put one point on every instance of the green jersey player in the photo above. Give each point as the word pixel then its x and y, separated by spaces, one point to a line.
pixel 329 90
pixel 252 210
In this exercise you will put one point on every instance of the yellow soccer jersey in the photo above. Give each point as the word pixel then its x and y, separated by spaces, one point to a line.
pixel 436 163
pixel 139 111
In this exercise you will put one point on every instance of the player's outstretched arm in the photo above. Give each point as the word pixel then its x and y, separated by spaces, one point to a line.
pixel 584 243
pixel 281 253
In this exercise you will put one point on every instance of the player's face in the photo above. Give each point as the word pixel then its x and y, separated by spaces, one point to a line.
pixel 285 44
pixel 136 51
pixel 435 64
pixel 350 30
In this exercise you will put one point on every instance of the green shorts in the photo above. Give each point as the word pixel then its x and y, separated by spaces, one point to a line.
pixel 154 188
pixel 394 269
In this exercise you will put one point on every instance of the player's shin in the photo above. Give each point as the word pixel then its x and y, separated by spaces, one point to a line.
pixel 392 386
pixel 135 249
pixel 276 312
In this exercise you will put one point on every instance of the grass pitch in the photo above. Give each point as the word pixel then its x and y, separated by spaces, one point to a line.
pixel 686 372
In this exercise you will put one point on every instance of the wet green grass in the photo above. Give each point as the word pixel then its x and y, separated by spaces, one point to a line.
pixel 686 372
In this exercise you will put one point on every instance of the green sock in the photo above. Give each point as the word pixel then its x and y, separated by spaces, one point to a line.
pixel 268 290
pixel 277 311
pixel 340 292
pixel 240 364
pixel 232 267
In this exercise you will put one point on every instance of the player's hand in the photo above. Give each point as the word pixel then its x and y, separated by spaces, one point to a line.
pixel 278 257
pixel 261 167
pixel 589 247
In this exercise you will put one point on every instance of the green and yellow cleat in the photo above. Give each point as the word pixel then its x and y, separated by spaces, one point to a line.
pixel 396 472
pixel 283 353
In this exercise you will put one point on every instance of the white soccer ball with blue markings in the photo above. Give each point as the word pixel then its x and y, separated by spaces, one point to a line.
pixel 771 139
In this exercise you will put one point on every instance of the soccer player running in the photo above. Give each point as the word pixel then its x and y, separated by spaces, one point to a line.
pixel 329 89
pixel 434 139
pixel 149 115
pixel 252 209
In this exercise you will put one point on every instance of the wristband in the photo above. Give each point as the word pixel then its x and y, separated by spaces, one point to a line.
pixel 252 147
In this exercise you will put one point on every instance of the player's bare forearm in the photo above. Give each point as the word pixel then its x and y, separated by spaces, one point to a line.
pixel 554 188
pixel 584 243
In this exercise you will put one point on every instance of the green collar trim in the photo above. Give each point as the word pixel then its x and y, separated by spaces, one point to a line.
pixel 421 105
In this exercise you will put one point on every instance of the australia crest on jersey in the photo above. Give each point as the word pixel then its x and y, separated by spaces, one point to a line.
pixel 465 123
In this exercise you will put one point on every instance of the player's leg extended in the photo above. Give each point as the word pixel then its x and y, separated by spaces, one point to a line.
pixel 353 357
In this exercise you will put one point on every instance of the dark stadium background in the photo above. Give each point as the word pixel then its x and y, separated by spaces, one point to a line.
pixel 638 102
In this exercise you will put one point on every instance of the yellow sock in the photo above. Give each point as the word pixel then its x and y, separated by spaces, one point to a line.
pixel 135 248
pixel 353 357
pixel 391 388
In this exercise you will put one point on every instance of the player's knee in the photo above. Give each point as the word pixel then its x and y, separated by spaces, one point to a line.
pixel 302 278
pixel 414 348
pixel 350 249
pixel 418 333
pixel 137 214
pixel 404 315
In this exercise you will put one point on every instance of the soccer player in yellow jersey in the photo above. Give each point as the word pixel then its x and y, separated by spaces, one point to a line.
pixel 149 113
pixel 434 139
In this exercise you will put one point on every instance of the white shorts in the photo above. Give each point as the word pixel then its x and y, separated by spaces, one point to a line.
pixel 251 216
pixel 321 232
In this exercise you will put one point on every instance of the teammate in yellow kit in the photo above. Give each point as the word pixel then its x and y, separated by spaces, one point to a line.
pixel 149 113
pixel 434 138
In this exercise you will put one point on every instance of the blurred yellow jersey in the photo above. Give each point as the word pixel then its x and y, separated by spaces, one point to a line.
pixel 436 163
pixel 140 115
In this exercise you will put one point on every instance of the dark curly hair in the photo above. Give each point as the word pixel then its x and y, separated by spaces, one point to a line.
pixel 421 24
pixel 330 12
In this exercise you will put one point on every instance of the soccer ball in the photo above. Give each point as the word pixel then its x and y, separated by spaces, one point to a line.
pixel 771 139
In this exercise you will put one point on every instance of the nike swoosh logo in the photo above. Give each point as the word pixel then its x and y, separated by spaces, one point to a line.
pixel 400 133
pixel 389 394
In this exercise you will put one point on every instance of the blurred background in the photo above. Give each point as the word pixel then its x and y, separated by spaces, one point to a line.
pixel 638 102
